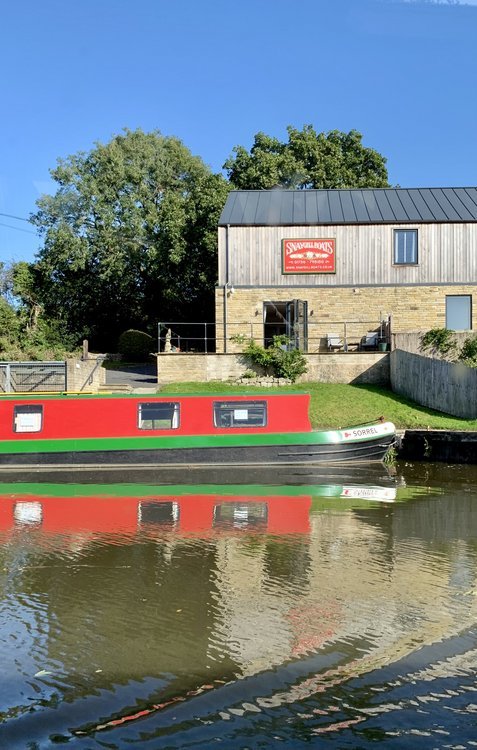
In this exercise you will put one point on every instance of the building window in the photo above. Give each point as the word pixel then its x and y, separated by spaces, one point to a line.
pixel 459 312
pixel 405 247
pixel 27 418
pixel 158 416
pixel 240 413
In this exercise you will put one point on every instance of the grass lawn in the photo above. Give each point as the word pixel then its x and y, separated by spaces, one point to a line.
pixel 338 405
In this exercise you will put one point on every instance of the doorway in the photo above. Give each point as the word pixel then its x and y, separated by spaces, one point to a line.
pixel 288 319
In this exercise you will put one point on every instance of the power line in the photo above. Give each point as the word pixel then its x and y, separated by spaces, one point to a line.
pixel 11 216
pixel 18 229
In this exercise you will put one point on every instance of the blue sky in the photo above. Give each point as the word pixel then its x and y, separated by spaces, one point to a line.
pixel 215 72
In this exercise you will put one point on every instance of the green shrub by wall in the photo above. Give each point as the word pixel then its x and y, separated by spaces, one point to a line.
pixel 135 346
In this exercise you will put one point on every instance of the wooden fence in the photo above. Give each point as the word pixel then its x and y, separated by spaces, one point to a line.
pixel 450 387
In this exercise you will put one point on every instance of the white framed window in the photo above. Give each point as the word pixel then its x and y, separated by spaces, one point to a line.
pixel 405 247
pixel 240 413
pixel 163 415
pixel 28 513
pixel 459 312
pixel 28 418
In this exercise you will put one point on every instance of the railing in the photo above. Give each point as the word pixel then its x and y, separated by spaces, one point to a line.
pixel 317 336
pixel 32 376
pixel 186 337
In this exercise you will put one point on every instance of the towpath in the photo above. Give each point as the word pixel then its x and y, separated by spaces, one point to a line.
pixel 141 378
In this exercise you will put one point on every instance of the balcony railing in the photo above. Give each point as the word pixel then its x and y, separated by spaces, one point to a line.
pixel 316 336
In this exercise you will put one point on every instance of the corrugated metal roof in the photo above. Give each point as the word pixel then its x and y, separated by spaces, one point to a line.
pixel 369 206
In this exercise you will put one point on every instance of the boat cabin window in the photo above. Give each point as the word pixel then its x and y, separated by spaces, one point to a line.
pixel 158 512
pixel 28 418
pixel 240 413
pixel 158 416
pixel 247 516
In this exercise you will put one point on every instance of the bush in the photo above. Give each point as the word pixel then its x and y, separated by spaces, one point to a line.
pixel 279 359
pixel 22 341
pixel 468 353
pixel 289 363
pixel 439 341
pixel 135 346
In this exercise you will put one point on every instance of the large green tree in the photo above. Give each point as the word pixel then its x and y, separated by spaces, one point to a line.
pixel 129 237
pixel 307 160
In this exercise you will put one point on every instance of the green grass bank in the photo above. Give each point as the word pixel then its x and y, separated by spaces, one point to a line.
pixel 338 405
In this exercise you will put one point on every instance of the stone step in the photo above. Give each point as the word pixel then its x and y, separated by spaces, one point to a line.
pixel 115 388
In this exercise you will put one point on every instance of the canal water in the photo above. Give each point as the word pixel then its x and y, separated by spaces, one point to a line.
pixel 306 614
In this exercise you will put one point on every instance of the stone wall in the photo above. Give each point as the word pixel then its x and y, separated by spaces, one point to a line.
pixel 362 367
pixel 413 308
pixel 85 374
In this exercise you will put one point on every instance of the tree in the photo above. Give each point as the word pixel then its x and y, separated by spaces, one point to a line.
pixel 308 160
pixel 24 331
pixel 129 236
pixel 25 294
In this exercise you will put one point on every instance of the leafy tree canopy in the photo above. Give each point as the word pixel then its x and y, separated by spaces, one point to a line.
pixel 129 237
pixel 307 160
pixel 25 334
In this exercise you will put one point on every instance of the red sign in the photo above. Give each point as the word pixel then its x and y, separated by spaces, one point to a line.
pixel 308 256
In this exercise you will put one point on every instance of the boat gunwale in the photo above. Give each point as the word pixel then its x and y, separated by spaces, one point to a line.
pixel 69 395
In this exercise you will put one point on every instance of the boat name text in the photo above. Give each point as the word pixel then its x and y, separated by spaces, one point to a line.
pixel 361 432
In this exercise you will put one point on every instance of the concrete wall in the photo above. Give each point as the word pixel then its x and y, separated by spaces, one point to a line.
pixel 444 386
pixel 85 374
pixel 325 368
pixel 411 341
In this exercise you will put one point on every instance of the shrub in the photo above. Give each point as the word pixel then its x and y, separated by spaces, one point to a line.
pixel 135 346
pixel 280 359
pixel 468 353
pixel 289 363
pixel 439 341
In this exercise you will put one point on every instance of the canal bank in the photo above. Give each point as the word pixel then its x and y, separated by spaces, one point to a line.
pixel 451 446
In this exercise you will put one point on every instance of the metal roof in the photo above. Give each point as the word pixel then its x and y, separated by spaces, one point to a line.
pixel 361 206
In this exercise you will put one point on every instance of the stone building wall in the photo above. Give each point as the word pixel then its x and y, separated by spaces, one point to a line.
pixel 413 308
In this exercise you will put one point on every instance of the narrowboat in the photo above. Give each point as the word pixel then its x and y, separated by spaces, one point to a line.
pixel 80 431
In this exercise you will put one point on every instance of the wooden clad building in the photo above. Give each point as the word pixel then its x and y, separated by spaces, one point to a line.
pixel 318 263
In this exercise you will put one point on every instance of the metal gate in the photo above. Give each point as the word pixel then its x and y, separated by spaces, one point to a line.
pixel 23 377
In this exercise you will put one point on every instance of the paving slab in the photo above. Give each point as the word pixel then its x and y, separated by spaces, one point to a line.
pixel 142 378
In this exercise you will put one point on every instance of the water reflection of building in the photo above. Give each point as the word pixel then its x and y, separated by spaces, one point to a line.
pixel 383 577
pixel 234 598
pixel 259 582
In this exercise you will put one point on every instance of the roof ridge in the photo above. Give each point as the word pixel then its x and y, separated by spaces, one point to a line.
pixel 360 189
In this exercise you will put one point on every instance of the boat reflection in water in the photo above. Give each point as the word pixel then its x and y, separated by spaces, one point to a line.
pixel 168 615
pixel 111 509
